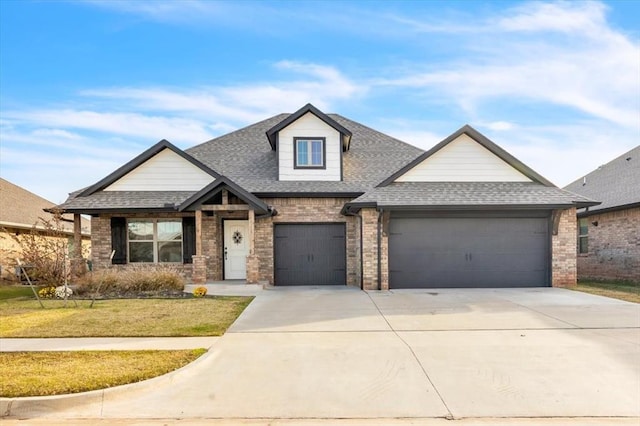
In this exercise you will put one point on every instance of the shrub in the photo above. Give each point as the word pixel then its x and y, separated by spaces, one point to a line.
pixel 200 291
pixel 47 292
pixel 134 280
pixel 44 248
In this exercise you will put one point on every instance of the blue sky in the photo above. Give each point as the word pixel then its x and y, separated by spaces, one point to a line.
pixel 85 86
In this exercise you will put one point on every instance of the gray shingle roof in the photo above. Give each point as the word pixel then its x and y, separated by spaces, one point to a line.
pixel 125 200
pixel 616 184
pixel 246 157
pixel 468 194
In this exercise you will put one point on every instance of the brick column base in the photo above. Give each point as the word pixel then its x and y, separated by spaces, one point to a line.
pixel 199 274
pixel 252 269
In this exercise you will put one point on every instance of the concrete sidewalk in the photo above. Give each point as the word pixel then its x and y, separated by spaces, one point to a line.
pixel 105 343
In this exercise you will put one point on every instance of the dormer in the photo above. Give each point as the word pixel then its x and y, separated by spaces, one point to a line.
pixel 309 146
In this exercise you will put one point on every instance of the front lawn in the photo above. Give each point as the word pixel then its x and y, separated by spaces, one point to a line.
pixel 15 291
pixel 623 290
pixel 55 373
pixel 209 316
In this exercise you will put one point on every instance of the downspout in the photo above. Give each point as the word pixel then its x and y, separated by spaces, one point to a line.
pixel 381 212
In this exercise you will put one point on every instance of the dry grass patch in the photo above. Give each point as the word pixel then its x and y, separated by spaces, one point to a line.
pixel 623 290
pixel 55 373
pixel 209 316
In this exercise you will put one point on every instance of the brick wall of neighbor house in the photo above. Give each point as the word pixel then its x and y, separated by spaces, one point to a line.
pixel 614 247
pixel 101 244
pixel 563 247
pixel 300 210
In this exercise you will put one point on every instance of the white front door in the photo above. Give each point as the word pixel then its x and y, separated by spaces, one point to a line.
pixel 236 249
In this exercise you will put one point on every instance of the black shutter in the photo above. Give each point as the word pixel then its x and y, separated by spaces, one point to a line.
pixel 188 239
pixel 119 240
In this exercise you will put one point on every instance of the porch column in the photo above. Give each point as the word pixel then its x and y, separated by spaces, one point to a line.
pixel 252 259
pixel 252 222
pixel 77 236
pixel 198 232
pixel 77 263
pixel 199 272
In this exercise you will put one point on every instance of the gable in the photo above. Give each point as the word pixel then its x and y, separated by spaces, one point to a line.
pixel 164 171
pixel 463 160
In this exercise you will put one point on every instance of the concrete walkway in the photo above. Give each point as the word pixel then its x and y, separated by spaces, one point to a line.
pixel 326 353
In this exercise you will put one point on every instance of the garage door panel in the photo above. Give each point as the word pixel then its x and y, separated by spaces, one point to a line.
pixel 310 254
pixel 468 252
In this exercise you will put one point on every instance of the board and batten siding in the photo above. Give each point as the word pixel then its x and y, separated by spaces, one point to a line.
pixel 165 171
pixel 463 160
pixel 309 126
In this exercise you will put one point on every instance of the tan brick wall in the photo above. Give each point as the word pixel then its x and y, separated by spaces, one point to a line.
pixel 370 248
pixel 301 210
pixel 614 247
pixel 563 249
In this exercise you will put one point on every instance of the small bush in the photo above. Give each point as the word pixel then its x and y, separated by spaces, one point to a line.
pixel 200 291
pixel 132 281
pixel 47 292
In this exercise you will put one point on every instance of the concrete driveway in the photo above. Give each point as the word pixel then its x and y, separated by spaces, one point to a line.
pixel 344 353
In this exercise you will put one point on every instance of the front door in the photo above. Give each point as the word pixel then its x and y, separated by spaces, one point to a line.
pixel 236 249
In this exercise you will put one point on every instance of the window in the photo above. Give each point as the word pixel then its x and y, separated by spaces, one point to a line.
pixel 583 236
pixel 154 240
pixel 309 153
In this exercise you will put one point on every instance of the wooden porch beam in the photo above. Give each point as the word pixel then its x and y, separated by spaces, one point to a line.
pixel 225 207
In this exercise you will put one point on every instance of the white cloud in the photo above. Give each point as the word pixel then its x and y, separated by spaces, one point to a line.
pixel 596 71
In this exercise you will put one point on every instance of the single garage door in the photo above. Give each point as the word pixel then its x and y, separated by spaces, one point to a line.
pixel 482 251
pixel 310 254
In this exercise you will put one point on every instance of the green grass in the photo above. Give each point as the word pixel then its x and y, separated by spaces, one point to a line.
pixel 623 290
pixel 15 291
pixel 210 316
pixel 54 373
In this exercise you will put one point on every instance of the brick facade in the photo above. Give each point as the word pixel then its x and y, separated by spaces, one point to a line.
pixel 563 250
pixel 614 246
pixel 362 267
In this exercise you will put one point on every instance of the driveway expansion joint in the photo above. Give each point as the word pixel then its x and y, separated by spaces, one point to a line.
pixel 449 415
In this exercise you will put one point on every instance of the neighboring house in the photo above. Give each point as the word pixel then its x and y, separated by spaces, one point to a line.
pixel 609 234
pixel 317 199
pixel 23 212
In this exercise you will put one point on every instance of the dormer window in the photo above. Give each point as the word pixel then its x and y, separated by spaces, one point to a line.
pixel 309 153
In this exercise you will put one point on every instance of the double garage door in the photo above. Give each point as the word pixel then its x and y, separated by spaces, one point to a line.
pixel 483 250
pixel 310 254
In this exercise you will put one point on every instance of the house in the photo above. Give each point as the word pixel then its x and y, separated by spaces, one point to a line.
pixel 609 234
pixel 310 198
pixel 22 212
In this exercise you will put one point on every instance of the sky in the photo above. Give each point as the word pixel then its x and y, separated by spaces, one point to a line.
pixel 85 86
